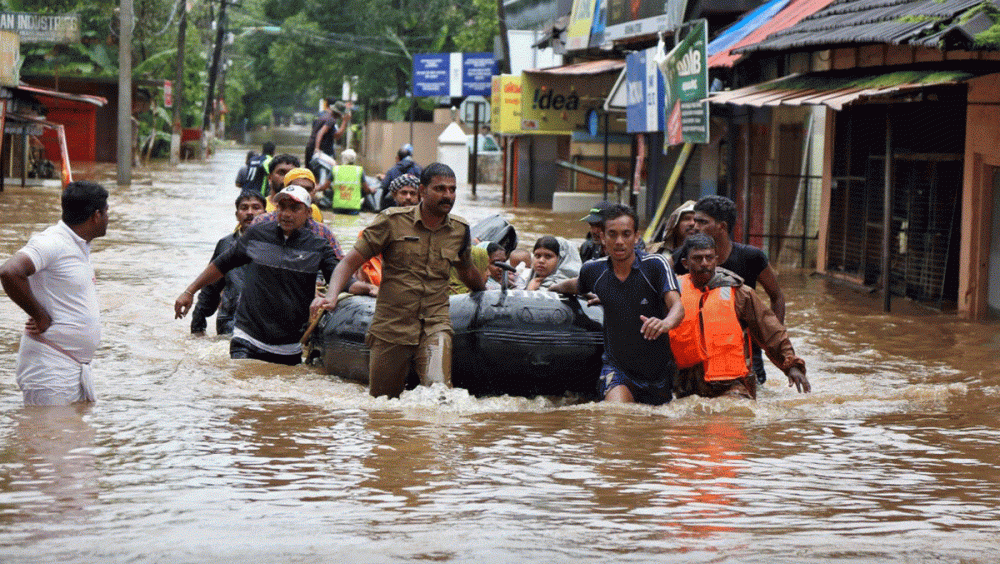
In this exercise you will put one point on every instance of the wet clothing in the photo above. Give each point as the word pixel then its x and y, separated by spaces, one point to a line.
pixel 54 369
pixel 747 262
pixel 220 297
pixel 280 283
pixel 405 166
pixel 327 118
pixel 390 363
pixel 413 297
pixel 648 365
pixel 756 320
pixel 710 332
pixel 316 227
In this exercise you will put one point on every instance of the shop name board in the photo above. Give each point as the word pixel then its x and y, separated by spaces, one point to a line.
pixel 632 18
pixel 686 79
pixel 644 93
pixel 42 28
pixel 546 99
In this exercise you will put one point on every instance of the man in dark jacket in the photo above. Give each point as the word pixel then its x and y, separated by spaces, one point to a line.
pixel 224 295
pixel 282 259
pixel 404 165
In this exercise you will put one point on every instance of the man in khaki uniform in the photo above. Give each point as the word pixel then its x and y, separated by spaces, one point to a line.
pixel 419 245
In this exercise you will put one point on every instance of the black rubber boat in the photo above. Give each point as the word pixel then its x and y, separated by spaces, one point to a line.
pixel 511 342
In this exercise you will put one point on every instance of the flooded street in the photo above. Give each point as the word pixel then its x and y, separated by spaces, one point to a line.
pixel 190 457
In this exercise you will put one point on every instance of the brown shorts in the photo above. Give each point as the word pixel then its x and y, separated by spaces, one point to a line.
pixel 692 381
pixel 390 363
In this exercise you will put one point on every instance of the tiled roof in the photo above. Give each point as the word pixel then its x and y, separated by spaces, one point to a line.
pixel 794 12
pixel 846 22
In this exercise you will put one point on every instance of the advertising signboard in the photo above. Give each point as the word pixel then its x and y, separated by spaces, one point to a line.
pixel 42 28
pixel 685 72
pixel 631 18
pixel 505 106
pixel 578 30
pixel 645 90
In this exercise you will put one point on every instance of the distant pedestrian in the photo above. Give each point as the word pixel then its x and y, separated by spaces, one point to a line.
pixel 404 165
pixel 52 280
pixel 348 185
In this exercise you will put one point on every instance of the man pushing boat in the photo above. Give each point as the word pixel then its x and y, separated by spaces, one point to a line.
pixel 419 244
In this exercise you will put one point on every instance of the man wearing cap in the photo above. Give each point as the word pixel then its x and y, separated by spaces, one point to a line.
pixel 404 165
pixel 592 247
pixel 282 259
pixel 419 245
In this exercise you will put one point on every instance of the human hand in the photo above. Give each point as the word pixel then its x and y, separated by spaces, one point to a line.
pixel 652 327
pixel 797 378
pixel 38 326
pixel 593 300
pixel 183 304
pixel 323 303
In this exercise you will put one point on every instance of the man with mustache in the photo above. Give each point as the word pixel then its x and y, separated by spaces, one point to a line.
pixel 721 314
pixel 419 245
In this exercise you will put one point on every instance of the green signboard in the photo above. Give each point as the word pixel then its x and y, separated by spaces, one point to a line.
pixel 685 70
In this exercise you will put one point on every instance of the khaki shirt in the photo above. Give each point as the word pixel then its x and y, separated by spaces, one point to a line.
pixel 413 297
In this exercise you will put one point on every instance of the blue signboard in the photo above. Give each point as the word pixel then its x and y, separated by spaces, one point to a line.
pixel 644 91
pixel 477 73
pixel 453 74
pixel 431 74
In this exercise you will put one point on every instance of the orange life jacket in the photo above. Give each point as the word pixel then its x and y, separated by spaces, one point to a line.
pixel 710 333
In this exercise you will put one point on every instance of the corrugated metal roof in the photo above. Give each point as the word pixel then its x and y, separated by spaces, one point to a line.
pixel 866 21
pixel 581 69
pixel 794 12
pixel 87 98
pixel 837 90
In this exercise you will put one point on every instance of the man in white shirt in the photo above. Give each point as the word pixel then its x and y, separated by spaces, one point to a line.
pixel 52 280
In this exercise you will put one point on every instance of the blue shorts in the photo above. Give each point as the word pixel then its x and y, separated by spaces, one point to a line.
pixel 651 393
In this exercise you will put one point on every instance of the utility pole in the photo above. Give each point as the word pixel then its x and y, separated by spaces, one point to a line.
pixel 175 136
pixel 504 40
pixel 126 21
pixel 220 33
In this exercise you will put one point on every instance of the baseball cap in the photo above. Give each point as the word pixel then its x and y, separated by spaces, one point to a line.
pixel 596 214
pixel 297 193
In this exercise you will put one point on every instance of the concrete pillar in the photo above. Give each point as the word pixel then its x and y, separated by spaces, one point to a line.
pixel 452 151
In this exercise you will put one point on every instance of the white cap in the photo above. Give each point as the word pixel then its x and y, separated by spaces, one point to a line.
pixel 295 192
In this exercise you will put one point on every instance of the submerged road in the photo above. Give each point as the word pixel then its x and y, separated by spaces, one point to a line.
pixel 191 457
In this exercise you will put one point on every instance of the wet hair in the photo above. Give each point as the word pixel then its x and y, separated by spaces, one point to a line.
pixel 492 248
pixel 547 242
pixel 250 155
pixel 719 208
pixel 268 148
pixel 618 210
pixel 283 158
pixel 81 199
pixel 697 242
pixel 248 195
pixel 435 169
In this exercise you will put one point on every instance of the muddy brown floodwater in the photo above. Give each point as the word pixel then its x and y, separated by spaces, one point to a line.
pixel 191 457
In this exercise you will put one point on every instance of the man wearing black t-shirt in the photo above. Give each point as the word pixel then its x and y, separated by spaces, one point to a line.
pixel 714 216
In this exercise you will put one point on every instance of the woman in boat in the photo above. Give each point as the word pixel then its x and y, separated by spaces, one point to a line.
pixel 554 260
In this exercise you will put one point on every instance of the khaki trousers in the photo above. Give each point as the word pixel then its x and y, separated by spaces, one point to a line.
pixel 390 363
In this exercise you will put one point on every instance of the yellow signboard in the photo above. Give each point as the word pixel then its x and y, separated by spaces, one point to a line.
pixel 558 104
pixel 580 21
pixel 505 105
pixel 10 58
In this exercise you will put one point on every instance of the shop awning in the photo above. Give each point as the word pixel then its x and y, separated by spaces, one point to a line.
pixel 588 68
pixel 86 98
pixel 837 90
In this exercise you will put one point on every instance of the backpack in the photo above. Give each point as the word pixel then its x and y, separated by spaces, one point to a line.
pixel 256 171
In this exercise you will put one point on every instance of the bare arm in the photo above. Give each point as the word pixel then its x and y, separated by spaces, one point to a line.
pixel 183 303
pixel 14 276
pixel 352 261
pixel 769 281
pixel 319 135
pixel 471 277
pixel 568 286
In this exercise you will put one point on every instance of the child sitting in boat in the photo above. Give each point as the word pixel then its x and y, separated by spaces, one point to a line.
pixel 554 260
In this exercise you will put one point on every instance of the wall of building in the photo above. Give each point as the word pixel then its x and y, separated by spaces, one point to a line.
pixel 982 153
